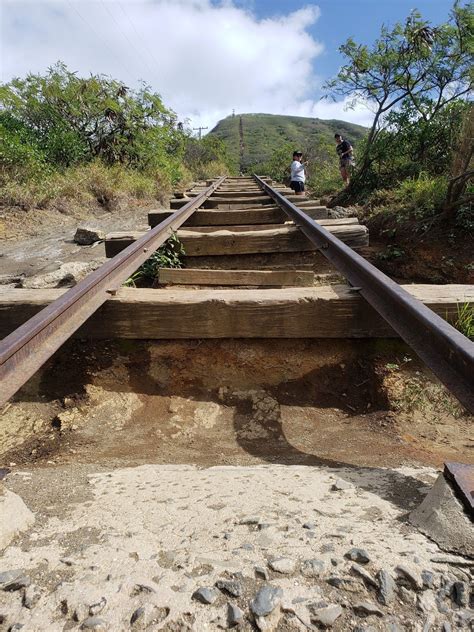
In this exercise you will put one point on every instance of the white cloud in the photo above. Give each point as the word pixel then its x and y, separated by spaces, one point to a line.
pixel 204 59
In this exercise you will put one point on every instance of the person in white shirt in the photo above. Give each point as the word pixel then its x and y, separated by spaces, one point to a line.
pixel 297 173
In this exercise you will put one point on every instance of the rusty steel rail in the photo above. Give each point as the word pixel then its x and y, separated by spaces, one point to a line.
pixel 26 349
pixel 448 353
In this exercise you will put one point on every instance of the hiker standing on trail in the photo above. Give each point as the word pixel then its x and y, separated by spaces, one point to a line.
pixel 297 173
pixel 346 159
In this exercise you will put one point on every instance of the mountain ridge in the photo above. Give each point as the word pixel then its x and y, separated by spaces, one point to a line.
pixel 252 138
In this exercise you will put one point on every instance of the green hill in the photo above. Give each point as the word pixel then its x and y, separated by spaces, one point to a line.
pixel 263 134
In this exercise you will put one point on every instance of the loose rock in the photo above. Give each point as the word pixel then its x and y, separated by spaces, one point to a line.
pixel 31 596
pixel 387 587
pixel 86 236
pixel 205 595
pixel 358 555
pixel 142 588
pixel 366 576
pixel 8 576
pixel 341 485
pixel 235 615
pixel 345 583
pixel 312 568
pixel 461 594
pixel 261 571
pixel 326 616
pixel 366 608
pixel 232 587
pixel 96 608
pixel 428 579
pixel 266 600
pixel 411 575
pixel 21 581
pixel 137 616
pixel 94 623
pixel 283 565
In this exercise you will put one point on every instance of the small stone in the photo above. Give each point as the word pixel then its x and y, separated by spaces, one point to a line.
pixel 341 485
pixel 358 555
pixel 312 568
pixel 85 236
pixel 266 600
pixel 261 571
pixel 8 576
pixel 327 548
pixel 205 595
pixel 232 587
pixel 406 595
pixel 94 623
pixel 81 612
pixel 137 615
pixel 309 525
pixel 366 576
pixel 15 627
pixel 326 616
pixel 235 616
pixel 345 583
pixel 247 547
pixel 461 594
pixel 387 586
pixel 411 575
pixel 96 608
pixel 31 596
pixel 366 609
pixel 283 565
pixel 66 561
pixel 21 581
pixel 428 579
pixel 142 588
pixel 446 627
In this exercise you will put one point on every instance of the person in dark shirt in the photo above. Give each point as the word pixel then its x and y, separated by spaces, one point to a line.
pixel 346 159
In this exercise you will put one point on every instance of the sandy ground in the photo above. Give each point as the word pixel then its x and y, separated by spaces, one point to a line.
pixel 112 542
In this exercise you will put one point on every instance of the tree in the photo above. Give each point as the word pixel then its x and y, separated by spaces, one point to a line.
pixel 462 170
pixel 412 63
pixel 74 119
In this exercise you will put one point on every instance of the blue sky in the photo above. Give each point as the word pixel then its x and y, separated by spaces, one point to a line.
pixel 205 57
pixel 360 19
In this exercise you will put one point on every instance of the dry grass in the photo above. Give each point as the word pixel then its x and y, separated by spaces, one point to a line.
pixel 112 187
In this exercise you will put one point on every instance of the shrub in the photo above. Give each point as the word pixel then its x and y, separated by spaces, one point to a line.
pixel 422 195
pixel 325 179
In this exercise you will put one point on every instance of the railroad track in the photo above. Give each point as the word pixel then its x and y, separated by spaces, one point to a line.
pixel 253 252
